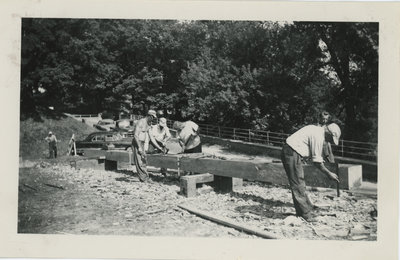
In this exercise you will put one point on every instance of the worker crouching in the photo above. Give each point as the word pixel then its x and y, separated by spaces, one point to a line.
pixel 188 136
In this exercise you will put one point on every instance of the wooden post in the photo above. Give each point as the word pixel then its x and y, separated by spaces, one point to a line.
pixel 268 137
pixel 342 148
pixel 71 145
pixel 249 136
pixel 74 149
pixel 110 165
pixel 219 131
pixel 227 184
pixel 234 134
pixel 229 223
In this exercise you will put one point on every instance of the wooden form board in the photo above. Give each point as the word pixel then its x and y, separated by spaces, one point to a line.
pixel 94 153
pixel 350 175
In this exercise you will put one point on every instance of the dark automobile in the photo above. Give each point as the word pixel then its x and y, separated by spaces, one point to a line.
pixel 104 141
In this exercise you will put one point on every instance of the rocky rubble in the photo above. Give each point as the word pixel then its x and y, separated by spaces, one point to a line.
pixel 104 202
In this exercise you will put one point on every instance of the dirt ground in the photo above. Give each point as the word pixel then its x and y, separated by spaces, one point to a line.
pixel 55 198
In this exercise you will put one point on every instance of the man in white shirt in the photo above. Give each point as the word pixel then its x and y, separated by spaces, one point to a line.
pixel 307 143
pixel 158 137
pixel 188 135
pixel 52 140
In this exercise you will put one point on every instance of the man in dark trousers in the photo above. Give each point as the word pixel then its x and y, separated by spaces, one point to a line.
pixel 141 133
pixel 307 143
pixel 188 136
pixel 52 140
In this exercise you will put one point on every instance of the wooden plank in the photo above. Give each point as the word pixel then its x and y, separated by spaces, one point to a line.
pixel 267 172
pixel 119 156
pixel 200 178
pixel 94 153
pixel 350 175
pixel 163 161
pixel 229 223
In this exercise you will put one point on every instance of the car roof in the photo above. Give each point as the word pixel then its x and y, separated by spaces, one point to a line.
pixel 107 120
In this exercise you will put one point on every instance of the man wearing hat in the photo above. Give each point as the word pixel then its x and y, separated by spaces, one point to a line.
pixel 141 133
pixel 307 143
pixel 159 136
pixel 52 140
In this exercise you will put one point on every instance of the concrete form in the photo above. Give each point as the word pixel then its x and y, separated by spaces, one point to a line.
pixel 227 170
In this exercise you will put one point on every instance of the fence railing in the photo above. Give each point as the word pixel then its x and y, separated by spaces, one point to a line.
pixel 83 116
pixel 350 149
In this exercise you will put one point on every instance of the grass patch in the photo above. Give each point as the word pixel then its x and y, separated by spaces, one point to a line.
pixel 33 132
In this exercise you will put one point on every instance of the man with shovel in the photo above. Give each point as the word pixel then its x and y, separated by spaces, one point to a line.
pixel 307 143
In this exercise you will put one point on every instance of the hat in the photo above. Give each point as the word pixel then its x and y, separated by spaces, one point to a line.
pixel 162 122
pixel 152 113
pixel 50 133
pixel 335 131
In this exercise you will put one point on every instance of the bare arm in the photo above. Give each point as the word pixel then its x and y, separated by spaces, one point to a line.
pixel 330 174
pixel 167 136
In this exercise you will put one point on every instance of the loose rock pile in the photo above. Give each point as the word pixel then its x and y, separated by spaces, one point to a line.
pixel 70 201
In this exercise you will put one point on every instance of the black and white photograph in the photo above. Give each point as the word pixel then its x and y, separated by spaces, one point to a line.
pixel 256 130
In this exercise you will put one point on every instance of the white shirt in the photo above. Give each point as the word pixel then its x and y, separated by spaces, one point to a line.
pixel 189 129
pixel 160 134
pixel 308 142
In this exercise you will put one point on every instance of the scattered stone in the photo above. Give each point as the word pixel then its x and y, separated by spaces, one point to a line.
pixel 359 229
pixel 359 237
pixel 293 221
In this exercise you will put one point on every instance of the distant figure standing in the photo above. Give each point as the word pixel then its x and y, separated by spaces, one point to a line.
pixel 52 140
pixel 188 135
pixel 141 133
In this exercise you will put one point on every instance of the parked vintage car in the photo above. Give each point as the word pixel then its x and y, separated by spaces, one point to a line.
pixel 104 141
pixel 105 125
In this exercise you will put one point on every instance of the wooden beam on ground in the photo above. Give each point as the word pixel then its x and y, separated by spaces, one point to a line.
pixel 350 175
pixel 94 153
pixel 229 223
pixel 243 169
pixel 163 161
pixel 119 156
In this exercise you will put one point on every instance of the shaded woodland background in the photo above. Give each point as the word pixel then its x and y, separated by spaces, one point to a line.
pixel 250 74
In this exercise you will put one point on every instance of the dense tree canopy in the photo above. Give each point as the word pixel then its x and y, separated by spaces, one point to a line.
pixel 265 75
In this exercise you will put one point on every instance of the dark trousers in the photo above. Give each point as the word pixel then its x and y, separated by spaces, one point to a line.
pixel 294 170
pixel 140 163
pixel 52 151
